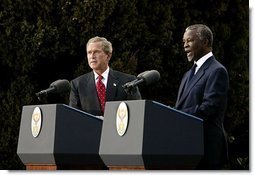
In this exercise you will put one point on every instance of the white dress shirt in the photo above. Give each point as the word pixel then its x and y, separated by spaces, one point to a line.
pixel 104 75
pixel 202 60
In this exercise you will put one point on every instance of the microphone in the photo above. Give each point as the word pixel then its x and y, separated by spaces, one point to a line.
pixel 151 76
pixel 58 86
pixel 141 74
pixel 148 77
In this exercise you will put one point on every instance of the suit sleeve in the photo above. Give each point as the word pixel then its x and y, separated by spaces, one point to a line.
pixel 215 94
pixel 74 100
pixel 134 93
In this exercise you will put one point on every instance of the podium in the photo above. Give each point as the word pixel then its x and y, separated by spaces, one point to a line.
pixel 66 138
pixel 142 134
pixel 156 137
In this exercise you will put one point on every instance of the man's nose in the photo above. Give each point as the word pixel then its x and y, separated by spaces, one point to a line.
pixel 92 55
pixel 185 44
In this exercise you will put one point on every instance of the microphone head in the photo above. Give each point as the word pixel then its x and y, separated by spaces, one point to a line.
pixel 151 76
pixel 61 86
pixel 140 76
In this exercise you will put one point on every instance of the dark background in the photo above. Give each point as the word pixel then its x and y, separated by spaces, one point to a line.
pixel 44 40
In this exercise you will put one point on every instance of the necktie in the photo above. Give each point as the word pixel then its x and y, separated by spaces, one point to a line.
pixel 192 72
pixel 101 90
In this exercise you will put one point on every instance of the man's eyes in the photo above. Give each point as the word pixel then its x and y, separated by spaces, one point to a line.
pixel 188 40
pixel 96 51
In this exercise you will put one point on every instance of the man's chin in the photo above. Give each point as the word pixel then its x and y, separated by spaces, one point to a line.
pixel 93 66
pixel 190 59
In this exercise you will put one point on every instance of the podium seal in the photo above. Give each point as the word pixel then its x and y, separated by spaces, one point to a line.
pixel 36 122
pixel 122 119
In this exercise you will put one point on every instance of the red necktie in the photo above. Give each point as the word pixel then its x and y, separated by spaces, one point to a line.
pixel 101 90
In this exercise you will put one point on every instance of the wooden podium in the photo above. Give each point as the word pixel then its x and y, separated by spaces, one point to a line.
pixel 68 139
pixel 156 137
pixel 152 136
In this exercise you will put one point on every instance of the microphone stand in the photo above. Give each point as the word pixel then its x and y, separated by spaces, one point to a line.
pixel 130 88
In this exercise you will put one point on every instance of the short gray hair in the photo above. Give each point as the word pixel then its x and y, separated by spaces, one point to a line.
pixel 203 32
pixel 106 45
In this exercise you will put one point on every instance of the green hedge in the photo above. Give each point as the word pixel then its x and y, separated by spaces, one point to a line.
pixel 44 40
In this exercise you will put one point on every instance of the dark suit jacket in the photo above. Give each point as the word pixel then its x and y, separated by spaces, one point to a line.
pixel 83 93
pixel 206 97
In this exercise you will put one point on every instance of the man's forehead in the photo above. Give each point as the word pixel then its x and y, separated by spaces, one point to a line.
pixel 189 33
pixel 94 44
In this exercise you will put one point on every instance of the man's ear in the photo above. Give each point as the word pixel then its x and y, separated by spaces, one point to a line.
pixel 109 56
pixel 206 42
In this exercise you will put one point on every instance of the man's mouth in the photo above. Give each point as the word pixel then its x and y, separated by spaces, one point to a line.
pixel 188 52
pixel 93 62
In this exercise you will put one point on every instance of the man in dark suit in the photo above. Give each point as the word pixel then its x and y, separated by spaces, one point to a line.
pixel 203 93
pixel 86 94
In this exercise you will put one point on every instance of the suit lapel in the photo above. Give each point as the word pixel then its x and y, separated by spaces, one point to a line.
pixel 112 86
pixel 201 72
pixel 181 88
pixel 194 80
pixel 92 91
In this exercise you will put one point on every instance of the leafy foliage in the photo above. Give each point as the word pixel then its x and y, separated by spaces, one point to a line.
pixel 44 40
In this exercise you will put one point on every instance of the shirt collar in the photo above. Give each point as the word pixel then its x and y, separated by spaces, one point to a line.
pixel 201 61
pixel 104 74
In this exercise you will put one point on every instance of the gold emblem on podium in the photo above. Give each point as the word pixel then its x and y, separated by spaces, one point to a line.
pixel 122 119
pixel 36 122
